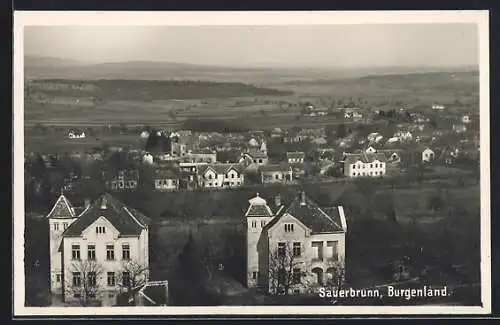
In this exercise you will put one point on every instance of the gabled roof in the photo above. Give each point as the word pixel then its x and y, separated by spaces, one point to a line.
pixel 256 154
pixel 275 168
pixel 319 220
pixel 62 209
pixel 126 220
pixel 364 157
pixel 295 154
pixel 165 173
pixel 258 208
pixel 219 168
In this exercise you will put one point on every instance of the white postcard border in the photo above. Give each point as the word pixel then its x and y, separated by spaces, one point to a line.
pixel 21 19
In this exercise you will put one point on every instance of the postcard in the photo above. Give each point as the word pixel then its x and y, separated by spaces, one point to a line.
pixel 251 163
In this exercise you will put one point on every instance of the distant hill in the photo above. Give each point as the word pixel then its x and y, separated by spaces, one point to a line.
pixel 144 90
pixel 38 67
pixel 35 61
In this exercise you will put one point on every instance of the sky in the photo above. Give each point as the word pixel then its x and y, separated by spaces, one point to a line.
pixel 323 46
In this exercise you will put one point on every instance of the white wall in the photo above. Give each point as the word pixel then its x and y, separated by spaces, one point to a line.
pixel 55 255
pixel 373 169
pixel 253 236
pixel 138 253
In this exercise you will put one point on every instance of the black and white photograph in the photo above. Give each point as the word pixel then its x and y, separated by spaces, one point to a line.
pixel 247 163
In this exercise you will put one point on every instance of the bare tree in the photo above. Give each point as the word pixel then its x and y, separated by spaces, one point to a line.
pixel 132 275
pixel 84 283
pixel 286 270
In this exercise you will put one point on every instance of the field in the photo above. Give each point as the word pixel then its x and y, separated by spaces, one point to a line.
pixel 459 90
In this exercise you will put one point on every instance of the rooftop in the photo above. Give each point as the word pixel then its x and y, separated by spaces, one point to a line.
pixel 126 220
pixel 319 220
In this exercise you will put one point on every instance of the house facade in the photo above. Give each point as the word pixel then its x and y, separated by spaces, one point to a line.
pixel 121 180
pixel 276 173
pixel 428 155
pixel 208 157
pixel 166 179
pixel 295 157
pixel 301 234
pixel 364 165
pixel 94 253
pixel 220 176
pixel 255 159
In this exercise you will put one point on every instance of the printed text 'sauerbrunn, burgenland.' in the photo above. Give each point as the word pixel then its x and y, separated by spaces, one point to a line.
pixel 389 291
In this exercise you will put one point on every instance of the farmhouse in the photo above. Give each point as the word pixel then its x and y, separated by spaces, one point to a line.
pixel 123 179
pixel 428 155
pixel 75 134
pixel 201 156
pixel 295 248
pixel 364 165
pixel 166 179
pixel 294 157
pixel 276 173
pixel 220 175
pixel 94 253
pixel 255 158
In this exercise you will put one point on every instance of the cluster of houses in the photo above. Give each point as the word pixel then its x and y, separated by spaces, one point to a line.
pixel 101 251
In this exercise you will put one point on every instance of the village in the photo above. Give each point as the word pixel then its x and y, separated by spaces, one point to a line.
pixel 276 173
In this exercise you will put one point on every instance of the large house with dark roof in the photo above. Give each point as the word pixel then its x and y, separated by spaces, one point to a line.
pixel 364 164
pixel 93 252
pixel 221 175
pixel 307 240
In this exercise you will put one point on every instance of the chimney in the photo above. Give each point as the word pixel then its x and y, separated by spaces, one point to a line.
pixel 87 202
pixel 303 198
pixel 104 203
pixel 277 200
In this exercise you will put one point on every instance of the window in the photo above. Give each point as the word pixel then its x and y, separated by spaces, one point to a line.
pixel 296 249
pixel 91 252
pixel 333 248
pixel 353 174
pixel 125 279
pixel 277 176
pixel 255 275
pixel 317 253
pixel 353 166
pixel 110 252
pixel 232 175
pixel 254 223
pixel 289 227
pixel 209 176
pixel 281 249
pixel 77 279
pixel 56 226
pixel 58 278
pixel 262 223
pixel 296 275
pixel 126 252
pixel 65 225
pixel 75 252
pixel 111 279
pixel 92 279
pixel 120 185
pixel 260 161
pixel 100 230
